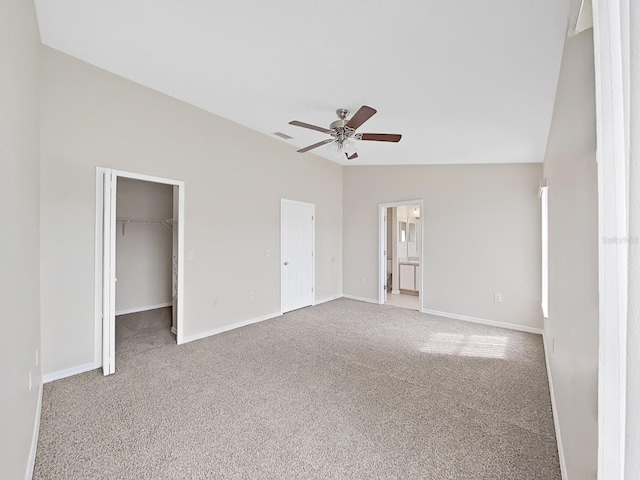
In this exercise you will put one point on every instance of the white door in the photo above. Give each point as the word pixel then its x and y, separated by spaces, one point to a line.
pixel 174 276
pixel 385 272
pixel 109 274
pixel 297 261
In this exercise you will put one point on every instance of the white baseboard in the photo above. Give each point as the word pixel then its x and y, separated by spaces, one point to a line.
pixel 493 323
pixel 143 309
pixel 328 299
pixel 68 372
pixel 395 292
pixel 226 328
pixel 554 410
pixel 360 299
pixel 31 463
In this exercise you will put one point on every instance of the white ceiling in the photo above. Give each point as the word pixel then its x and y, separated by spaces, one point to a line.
pixel 463 81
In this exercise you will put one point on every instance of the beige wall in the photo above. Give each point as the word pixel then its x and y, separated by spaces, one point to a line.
pixel 572 326
pixel 234 180
pixel 481 235
pixel 19 242
pixel 144 252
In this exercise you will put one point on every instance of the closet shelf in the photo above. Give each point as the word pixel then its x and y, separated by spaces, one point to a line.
pixel 168 222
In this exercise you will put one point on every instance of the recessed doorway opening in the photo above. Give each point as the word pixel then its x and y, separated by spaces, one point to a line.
pixel 139 237
pixel 400 254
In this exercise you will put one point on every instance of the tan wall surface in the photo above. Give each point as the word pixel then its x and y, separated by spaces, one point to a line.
pixel 572 326
pixel 234 180
pixel 19 233
pixel 144 252
pixel 481 235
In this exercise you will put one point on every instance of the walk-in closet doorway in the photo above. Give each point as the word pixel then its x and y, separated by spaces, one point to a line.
pixel 139 263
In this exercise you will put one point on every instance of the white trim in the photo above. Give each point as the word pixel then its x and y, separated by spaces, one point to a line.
pixel 382 240
pixel 69 372
pixel 110 185
pixel 401 203
pixel 554 410
pixel 493 323
pixel 360 299
pixel 313 249
pixel 146 178
pixel 126 311
pixel 181 255
pixel 328 299
pixel 612 224
pixel 97 336
pixel 31 463
pixel 226 328
pixel 181 259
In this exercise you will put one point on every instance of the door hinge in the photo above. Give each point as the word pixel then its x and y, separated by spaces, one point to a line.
pixel 311 217
pixel 312 254
pixel 311 289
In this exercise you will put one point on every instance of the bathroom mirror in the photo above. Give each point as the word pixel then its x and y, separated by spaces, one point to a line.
pixel 402 232
pixel 412 232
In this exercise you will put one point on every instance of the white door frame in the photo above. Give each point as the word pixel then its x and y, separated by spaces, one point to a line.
pixel 611 53
pixel 104 202
pixel 313 247
pixel 382 242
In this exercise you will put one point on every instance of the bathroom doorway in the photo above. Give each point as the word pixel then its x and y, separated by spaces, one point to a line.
pixel 400 253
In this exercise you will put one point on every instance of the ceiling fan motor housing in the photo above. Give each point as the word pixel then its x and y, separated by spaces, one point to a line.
pixel 340 131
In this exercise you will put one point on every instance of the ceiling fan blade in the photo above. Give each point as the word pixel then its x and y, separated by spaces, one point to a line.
pixel 316 145
pixel 361 116
pixel 380 137
pixel 355 155
pixel 308 125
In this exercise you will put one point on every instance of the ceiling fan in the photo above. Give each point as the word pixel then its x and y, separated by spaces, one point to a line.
pixel 343 132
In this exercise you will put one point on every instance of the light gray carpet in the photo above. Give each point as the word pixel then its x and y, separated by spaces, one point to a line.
pixel 343 390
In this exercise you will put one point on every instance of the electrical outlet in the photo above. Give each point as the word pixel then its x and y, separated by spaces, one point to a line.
pixel 30 381
pixel 189 255
pixel 363 280
pixel 215 302
pixel 497 297
pixel 252 295
pixel 267 253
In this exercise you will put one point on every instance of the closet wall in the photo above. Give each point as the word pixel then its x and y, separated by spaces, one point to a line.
pixel 144 251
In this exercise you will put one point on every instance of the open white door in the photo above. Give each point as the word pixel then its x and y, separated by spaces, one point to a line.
pixel 297 261
pixel 175 277
pixel 109 275
pixel 385 273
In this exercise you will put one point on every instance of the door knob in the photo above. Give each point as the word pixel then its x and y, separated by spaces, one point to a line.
pixel 286 263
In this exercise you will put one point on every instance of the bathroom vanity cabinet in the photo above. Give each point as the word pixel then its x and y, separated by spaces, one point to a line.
pixel 409 276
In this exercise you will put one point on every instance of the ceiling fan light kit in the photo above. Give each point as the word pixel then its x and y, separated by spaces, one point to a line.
pixel 343 133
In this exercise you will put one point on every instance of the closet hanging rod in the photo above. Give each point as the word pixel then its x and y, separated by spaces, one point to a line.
pixel 147 222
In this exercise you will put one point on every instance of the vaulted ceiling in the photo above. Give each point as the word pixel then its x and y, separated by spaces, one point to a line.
pixel 462 81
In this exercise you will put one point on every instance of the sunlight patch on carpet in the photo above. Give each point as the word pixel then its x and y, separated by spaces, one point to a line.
pixel 484 346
